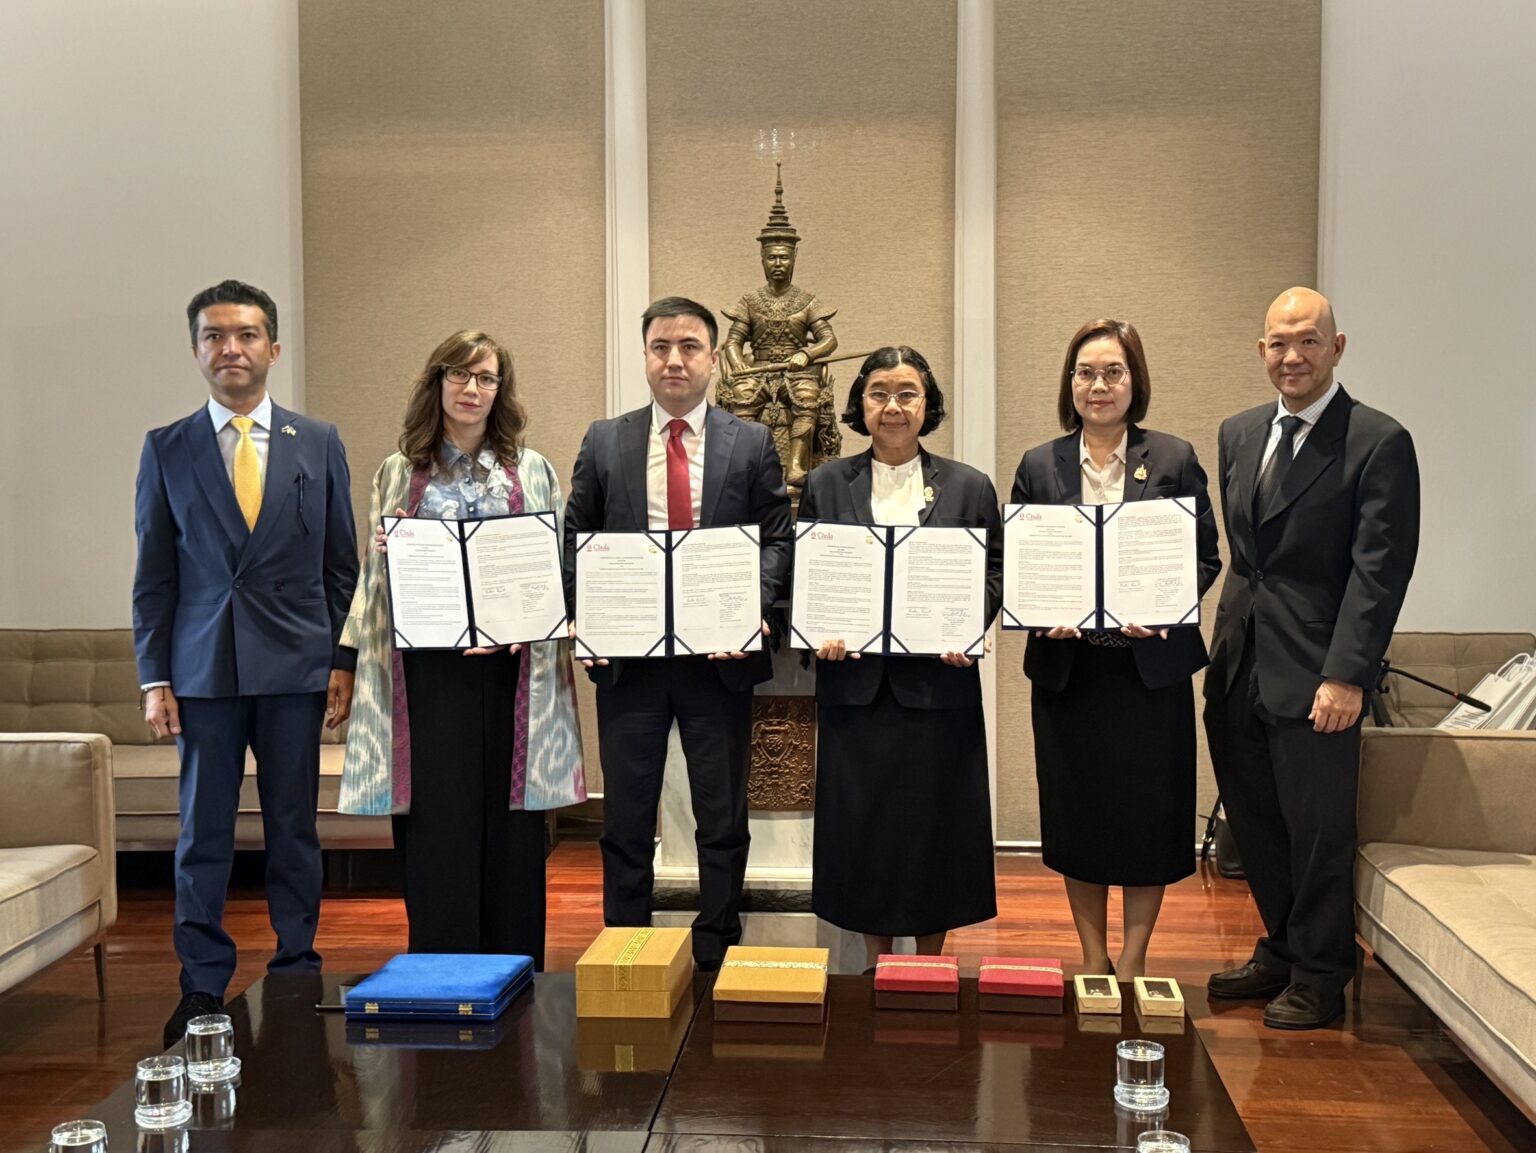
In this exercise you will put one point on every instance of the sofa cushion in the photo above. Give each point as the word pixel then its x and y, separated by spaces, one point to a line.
pixel 42 886
pixel 1464 922
pixel 157 762
pixel 1455 660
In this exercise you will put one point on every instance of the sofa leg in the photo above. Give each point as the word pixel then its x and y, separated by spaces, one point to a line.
pixel 101 970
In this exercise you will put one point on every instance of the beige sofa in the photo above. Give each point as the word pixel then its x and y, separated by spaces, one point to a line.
pixel 85 680
pixel 58 870
pixel 1445 877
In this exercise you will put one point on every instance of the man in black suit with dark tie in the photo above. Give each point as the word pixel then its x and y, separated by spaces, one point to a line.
pixel 678 463
pixel 1320 497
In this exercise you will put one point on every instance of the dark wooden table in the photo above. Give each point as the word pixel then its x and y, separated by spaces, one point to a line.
pixel 981 1079
pixel 539 1080
pixel 314 1081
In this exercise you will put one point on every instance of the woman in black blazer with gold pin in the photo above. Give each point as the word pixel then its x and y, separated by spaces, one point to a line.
pixel 903 842
pixel 1114 712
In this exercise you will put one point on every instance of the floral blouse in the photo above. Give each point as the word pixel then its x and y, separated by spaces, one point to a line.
pixel 464 489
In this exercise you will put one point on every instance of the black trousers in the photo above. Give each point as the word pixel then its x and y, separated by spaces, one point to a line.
pixel 473 869
pixel 634 718
pixel 1290 795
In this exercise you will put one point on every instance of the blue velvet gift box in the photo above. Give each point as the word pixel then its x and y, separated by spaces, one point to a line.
pixel 441 987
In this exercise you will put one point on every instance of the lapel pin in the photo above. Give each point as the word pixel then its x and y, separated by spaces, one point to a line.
pixel 288 430
pixel 1141 472
pixel 928 494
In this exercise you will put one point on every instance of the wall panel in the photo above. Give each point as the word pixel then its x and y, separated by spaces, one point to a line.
pixel 453 178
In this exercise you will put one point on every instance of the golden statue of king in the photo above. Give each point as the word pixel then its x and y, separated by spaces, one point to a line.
pixel 779 382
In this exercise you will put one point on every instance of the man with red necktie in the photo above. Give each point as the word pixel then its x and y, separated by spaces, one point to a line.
pixel 678 463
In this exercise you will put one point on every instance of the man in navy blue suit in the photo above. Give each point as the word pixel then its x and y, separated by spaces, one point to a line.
pixel 247 562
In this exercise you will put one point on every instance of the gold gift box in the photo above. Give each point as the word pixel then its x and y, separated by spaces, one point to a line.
pixel 630 1045
pixel 1159 997
pixel 773 976
pixel 634 973
pixel 1096 993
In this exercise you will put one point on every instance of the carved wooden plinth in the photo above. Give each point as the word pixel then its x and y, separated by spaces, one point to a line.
pixel 783 773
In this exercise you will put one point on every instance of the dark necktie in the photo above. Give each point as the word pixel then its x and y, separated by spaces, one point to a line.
pixel 679 494
pixel 1273 476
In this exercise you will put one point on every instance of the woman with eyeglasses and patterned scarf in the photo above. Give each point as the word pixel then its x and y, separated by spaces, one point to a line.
pixel 467 750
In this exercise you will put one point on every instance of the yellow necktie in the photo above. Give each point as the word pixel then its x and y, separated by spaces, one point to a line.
pixel 247 472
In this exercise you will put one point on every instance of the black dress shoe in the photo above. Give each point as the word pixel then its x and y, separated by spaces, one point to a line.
pixel 192 1005
pixel 1245 981
pixel 1303 1007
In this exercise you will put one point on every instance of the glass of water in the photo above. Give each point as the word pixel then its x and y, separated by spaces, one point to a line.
pixel 1139 1075
pixel 211 1049
pixel 79 1137
pixel 1162 1141
pixel 160 1093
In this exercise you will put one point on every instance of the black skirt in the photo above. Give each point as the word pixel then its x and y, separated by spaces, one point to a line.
pixel 1115 762
pixel 903 818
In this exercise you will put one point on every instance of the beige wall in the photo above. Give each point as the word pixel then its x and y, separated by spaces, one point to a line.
pixel 453 178
pixel 858 101
pixel 1157 162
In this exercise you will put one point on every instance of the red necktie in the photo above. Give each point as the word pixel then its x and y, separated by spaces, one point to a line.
pixel 679 495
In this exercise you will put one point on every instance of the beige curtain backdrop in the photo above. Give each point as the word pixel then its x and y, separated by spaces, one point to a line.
pixel 1157 162
pixel 858 101
pixel 453 178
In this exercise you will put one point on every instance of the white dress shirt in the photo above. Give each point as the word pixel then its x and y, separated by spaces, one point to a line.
pixel 228 435
pixel 1308 417
pixel 896 491
pixel 1106 485
pixel 656 463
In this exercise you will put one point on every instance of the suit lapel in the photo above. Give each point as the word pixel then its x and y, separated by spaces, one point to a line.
pixel 280 481
pixel 859 489
pixel 203 450
pixel 1069 471
pixel 634 430
pixel 933 485
pixel 1136 470
pixel 719 441
pixel 1315 454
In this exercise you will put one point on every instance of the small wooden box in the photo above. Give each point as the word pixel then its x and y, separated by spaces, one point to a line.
pixel 1096 993
pixel 1159 997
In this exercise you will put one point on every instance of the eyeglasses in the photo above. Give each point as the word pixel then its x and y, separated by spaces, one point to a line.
pixel 878 397
pixel 460 376
pixel 1113 375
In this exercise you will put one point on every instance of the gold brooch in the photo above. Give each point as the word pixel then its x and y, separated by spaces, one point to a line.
pixel 1141 472
pixel 288 430
pixel 928 495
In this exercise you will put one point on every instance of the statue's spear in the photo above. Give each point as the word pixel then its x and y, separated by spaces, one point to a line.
pixel 784 366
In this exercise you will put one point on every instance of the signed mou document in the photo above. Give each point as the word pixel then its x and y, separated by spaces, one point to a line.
pixel 674 593
pixel 892 590
pixel 1100 566
pixel 459 584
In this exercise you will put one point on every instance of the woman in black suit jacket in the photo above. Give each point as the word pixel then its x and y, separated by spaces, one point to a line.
pixel 903 810
pixel 1114 712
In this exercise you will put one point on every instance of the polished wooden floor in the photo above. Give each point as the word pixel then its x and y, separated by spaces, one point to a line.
pixel 1388 1081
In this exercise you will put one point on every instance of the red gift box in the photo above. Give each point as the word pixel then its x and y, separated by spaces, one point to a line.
pixel 1021 984
pixel 896 973
pixel 924 982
